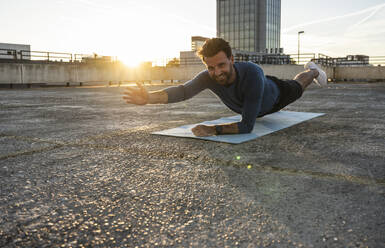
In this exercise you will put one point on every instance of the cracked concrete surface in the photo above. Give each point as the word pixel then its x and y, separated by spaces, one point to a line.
pixel 79 168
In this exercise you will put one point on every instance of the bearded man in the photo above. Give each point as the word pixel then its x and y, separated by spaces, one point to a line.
pixel 242 86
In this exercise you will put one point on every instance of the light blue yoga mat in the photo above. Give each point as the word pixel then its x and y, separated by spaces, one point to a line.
pixel 265 125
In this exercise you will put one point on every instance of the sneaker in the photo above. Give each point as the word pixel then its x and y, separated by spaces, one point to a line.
pixel 322 78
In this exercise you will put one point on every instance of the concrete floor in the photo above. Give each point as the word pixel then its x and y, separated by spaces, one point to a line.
pixel 79 167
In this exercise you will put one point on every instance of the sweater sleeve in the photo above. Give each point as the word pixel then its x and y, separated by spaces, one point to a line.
pixel 253 97
pixel 189 89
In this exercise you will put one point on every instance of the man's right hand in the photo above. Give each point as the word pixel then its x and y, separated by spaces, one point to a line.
pixel 136 95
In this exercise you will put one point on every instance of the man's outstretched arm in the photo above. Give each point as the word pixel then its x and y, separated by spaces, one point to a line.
pixel 140 96
pixel 156 97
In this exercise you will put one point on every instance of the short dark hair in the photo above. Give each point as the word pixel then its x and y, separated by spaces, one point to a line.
pixel 213 46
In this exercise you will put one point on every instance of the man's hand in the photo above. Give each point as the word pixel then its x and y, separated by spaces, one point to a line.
pixel 203 130
pixel 136 95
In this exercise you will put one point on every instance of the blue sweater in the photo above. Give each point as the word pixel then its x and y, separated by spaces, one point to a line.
pixel 251 95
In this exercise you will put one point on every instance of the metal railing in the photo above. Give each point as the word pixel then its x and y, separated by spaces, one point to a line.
pixel 11 54
pixel 325 60
pixel 36 56
pixel 377 60
pixel 40 56
pixel 302 59
pixel 272 59
pixel 279 59
pixel 79 57
pixel 356 60
pixel 46 56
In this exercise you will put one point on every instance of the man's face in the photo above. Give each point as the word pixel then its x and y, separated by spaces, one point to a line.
pixel 220 68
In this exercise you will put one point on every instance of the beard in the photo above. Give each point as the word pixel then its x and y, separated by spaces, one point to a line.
pixel 224 77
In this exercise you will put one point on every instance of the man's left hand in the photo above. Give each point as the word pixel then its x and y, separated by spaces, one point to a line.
pixel 203 130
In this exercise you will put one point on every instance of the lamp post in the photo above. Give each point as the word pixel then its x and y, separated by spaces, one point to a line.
pixel 300 32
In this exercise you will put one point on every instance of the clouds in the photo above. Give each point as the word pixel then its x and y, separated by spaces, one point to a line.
pixel 363 20
pixel 372 11
pixel 357 32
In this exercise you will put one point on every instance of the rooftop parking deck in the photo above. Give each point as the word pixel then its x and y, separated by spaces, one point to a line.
pixel 79 167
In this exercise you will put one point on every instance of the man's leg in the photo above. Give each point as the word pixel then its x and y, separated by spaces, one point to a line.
pixel 306 78
pixel 291 90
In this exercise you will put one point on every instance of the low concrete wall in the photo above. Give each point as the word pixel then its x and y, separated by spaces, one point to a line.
pixel 281 71
pixel 290 71
pixel 184 73
pixel 50 73
pixel 368 73
pixel 11 73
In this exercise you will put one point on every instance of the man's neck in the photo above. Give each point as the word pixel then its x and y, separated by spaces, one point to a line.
pixel 233 76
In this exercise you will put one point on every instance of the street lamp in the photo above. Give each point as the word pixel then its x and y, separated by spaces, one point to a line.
pixel 300 32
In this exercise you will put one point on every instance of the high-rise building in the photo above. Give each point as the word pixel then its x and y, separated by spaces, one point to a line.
pixel 250 25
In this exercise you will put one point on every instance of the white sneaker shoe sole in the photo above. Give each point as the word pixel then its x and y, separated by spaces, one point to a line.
pixel 322 78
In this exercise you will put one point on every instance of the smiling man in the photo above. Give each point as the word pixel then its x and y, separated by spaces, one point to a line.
pixel 242 86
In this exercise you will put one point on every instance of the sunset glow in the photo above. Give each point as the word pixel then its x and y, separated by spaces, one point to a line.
pixel 149 30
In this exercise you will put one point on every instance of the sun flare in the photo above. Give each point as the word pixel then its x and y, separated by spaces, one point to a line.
pixel 130 60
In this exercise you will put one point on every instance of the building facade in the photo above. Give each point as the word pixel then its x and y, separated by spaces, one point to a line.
pixel 250 25
pixel 188 58
pixel 197 42
pixel 349 60
pixel 14 51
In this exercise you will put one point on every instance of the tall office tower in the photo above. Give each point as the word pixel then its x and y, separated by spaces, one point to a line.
pixel 250 25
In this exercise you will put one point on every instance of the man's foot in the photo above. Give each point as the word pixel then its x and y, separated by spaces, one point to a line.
pixel 322 78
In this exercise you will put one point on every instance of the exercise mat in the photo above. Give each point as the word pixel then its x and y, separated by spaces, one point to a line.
pixel 264 125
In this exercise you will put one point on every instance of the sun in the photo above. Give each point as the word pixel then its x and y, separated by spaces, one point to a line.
pixel 130 60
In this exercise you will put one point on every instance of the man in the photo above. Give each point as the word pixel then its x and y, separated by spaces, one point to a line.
pixel 241 86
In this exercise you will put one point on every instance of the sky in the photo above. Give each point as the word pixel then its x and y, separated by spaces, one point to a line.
pixel 141 30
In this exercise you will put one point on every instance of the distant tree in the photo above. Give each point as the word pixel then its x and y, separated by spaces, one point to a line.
pixel 175 62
